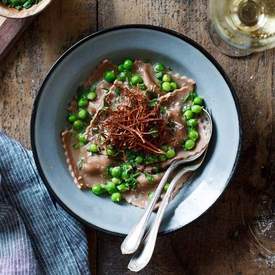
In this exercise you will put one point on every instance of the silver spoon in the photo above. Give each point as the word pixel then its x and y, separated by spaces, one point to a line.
pixel 133 239
pixel 142 258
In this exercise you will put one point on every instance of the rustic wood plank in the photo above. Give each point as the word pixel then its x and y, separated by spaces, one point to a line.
pixel 219 242
pixel 10 29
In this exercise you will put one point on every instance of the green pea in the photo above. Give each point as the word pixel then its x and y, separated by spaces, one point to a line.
pixel 196 109
pixel 92 95
pixel 120 68
pixel 135 79
pixel 159 67
pixel 109 76
pixel 116 197
pixel 122 76
pixel 193 134
pixel 83 102
pixel 110 187
pixel 139 159
pixel 166 86
pixel 166 186
pixel 198 100
pixel 189 144
pixel 188 114
pixel 159 75
pixel 116 181
pixel 82 114
pixel 82 138
pixel 72 118
pixel 122 188
pixel 78 125
pixel 116 172
pixel 93 148
pixel 128 64
pixel 192 122
pixel 170 153
pixel 173 85
pixel 97 189
pixel 166 78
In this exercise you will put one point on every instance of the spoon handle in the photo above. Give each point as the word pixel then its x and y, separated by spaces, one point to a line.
pixel 133 239
pixel 140 260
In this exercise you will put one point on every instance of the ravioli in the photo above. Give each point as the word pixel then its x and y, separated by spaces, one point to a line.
pixel 127 123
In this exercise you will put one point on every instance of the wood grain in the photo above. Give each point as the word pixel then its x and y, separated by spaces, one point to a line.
pixel 10 30
pixel 220 241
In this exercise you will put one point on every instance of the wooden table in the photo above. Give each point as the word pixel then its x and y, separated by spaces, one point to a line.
pixel 222 240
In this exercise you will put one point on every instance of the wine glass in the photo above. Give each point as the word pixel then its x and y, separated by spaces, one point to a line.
pixel 241 27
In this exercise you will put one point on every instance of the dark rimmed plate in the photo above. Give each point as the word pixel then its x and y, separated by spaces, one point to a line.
pixel 156 44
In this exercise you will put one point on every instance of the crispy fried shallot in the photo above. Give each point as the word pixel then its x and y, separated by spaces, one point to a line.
pixel 134 124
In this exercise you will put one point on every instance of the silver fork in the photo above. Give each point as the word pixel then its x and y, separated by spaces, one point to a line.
pixel 142 258
pixel 134 237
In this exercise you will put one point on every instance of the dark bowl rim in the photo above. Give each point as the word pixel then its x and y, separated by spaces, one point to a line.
pixel 186 39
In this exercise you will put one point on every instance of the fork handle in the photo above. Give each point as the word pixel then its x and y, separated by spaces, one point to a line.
pixel 139 261
pixel 133 239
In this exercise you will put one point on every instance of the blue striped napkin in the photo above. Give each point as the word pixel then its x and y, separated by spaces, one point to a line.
pixel 36 235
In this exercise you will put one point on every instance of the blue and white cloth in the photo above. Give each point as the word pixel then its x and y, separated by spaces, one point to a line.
pixel 36 235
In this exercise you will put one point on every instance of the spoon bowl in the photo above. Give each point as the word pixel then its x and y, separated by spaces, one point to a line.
pixel 14 13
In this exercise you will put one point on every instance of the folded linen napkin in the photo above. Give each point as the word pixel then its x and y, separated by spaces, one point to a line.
pixel 36 235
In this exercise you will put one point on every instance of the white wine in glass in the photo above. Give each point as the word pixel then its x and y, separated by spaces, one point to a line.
pixel 241 27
